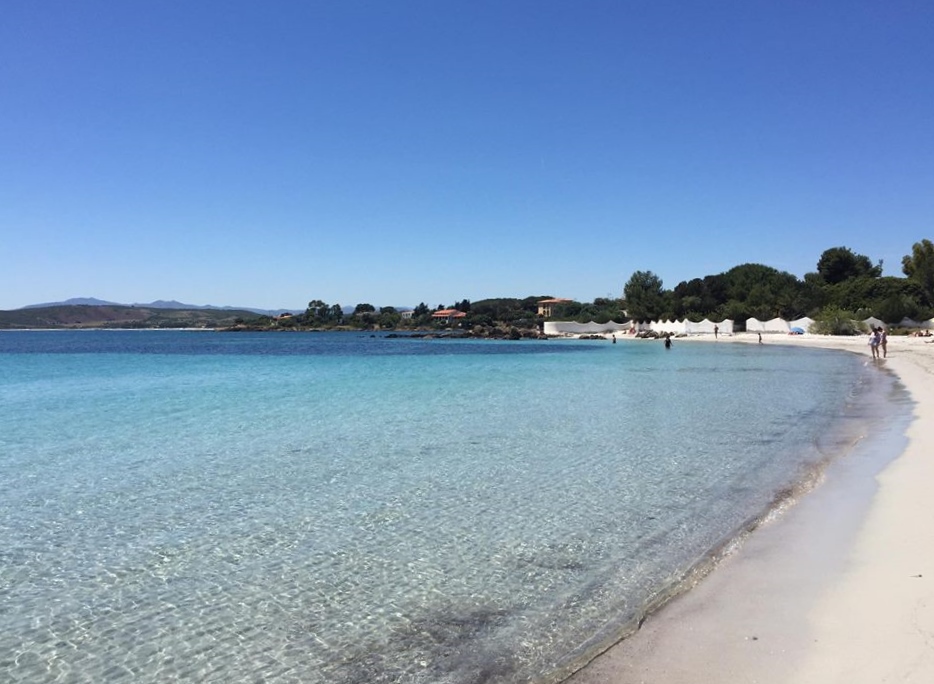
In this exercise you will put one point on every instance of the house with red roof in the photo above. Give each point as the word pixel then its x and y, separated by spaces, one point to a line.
pixel 448 315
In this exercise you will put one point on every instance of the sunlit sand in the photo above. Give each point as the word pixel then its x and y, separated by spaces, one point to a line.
pixel 839 589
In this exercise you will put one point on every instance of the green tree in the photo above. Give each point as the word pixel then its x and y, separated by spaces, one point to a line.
pixel 421 315
pixel 809 299
pixel 316 309
pixel 644 296
pixel 734 310
pixel 870 293
pixel 894 308
pixel 507 310
pixel 316 314
pixel 567 311
pixel 757 290
pixel 841 263
pixel 699 298
pixel 919 267
pixel 388 317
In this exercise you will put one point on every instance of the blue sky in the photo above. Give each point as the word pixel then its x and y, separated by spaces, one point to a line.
pixel 395 152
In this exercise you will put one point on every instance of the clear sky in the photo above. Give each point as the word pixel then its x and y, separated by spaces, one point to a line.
pixel 396 151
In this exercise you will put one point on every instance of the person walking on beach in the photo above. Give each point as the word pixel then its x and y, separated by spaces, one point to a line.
pixel 884 342
pixel 875 338
pixel 760 338
pixel 716 331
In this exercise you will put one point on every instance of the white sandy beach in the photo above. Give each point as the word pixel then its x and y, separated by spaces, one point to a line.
pixel 839 589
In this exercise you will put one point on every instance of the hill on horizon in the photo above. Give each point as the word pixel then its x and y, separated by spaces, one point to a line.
pixel 118 316
pixel 158 304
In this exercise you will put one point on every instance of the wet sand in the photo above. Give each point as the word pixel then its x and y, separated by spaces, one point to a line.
pixel 839 588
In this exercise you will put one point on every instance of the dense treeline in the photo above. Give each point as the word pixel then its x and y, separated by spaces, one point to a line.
pixel 845 285
pixel 505 316
pixel 843 282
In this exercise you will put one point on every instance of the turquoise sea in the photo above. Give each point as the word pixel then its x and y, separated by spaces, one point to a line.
pixel 301 507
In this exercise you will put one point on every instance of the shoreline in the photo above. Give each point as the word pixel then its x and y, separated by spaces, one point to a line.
pixel 839 588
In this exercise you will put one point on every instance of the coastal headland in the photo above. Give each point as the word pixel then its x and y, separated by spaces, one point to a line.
pixel 837 589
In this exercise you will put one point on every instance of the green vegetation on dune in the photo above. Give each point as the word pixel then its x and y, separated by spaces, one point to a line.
pixel 845 286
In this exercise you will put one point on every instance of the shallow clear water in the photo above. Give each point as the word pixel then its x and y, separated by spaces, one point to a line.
pixel 349 508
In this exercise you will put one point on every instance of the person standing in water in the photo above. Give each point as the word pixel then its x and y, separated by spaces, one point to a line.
pixel 875 338
pixel 668 341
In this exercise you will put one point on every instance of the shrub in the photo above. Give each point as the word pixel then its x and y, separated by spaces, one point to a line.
pixel 834 321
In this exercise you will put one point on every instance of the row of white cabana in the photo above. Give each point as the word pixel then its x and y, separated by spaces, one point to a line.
pixel 804 324
pixel 778 325
pixel 558 328
pixel 705 327
pixel 685 327
pixel 905 323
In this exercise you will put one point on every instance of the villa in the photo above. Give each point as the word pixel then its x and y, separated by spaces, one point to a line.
pixel 449 315
pixel 546 305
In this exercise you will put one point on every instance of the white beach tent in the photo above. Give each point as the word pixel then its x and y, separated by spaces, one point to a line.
pixel 908 323
pixel 662 327
pixel 703 327
pixel 673 327
pixel 706 326
pixel 873 322
pixel 803 323
pixel 776 325
pixel 573 328
pixel 928 325
pixel 593 328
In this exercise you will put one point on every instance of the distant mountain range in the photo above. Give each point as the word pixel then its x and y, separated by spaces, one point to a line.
pixel 161 304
